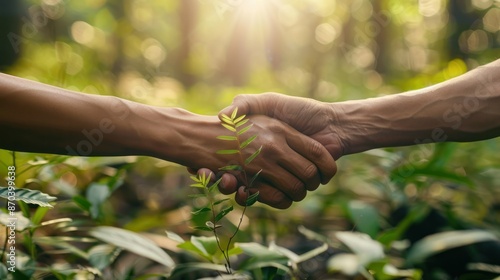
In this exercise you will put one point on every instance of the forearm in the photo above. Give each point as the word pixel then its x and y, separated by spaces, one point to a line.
pixel 466 108
pixel 35 117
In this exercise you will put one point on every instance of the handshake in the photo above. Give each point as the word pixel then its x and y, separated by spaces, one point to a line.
pixel 300 138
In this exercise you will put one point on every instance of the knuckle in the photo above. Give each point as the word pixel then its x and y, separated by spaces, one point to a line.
pixel 277 198
pixel 298 191
pixel 316 149
pixel 271 148
pixel 240 98
pixel 275 126
pixel 310 171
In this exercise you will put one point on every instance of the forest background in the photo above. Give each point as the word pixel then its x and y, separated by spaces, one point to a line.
pixel 198 55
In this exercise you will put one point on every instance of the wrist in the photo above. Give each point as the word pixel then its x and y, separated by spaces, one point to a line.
pixel 179 136
pixel 388 121
pixel 350 126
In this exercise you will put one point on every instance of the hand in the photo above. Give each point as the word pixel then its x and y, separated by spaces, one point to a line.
pixel 291 163
pixel 310 117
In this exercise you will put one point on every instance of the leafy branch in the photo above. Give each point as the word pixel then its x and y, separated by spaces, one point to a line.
pixel 218 208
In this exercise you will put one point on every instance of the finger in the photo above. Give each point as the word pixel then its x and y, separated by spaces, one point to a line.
pixel 284 181
pixel 252 104
pixel 324 166
pixel 228 184
pixel 285 168
pixel 280 164
pixel 241 195
pixel 208 173
pixel 267 195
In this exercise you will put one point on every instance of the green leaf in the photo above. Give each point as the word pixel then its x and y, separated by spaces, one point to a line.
pixel 227 138
pixel 364 216
pixel 37 218
pixel 64 243
pixel 365 248
pixel 238 119
pixel 443 154
pixel 247 142
pixel 21 222
pixel 197 195
pixel 203 228
pixel 227 120
pixel 348 264
pixel 198 185
pixel 201 180
pixel 101 256
pixel 223 213
pixel 220 201
pixel 440 242
pixel 195 178
pixel 262 257
pixel 207 245
pixel 132 242
pixel 253 156
pixel 97 194
pixel 61 221
pixel 235 251
pixel 245 129
pixel 190 248
pixel 229 127
pixel 234 167
pixel 430 172
pixel 3 271
pixel 313 253
pixel 386 271
pixel 292 257
pixel 255 263
pixel 227 152
pixel 82 202
pixel 28 196
pixel 214 185
pixel 254 177
pixel 312 235
pixel 417 212
pixel 174 236
pixel 262 253
pixel 201 210
pixel 235 112
pixel 241 123
pixel 252 199
pixel 185 268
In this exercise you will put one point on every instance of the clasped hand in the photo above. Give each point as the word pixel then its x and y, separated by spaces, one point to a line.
pixel 298 149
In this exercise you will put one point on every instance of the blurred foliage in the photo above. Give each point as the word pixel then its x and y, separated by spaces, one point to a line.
pixel 198 54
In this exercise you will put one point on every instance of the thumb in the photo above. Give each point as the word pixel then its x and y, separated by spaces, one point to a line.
pixel 251 104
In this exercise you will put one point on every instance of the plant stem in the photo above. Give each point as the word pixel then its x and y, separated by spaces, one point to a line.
pixel 245 180
pixel 226 257
pixel 232 126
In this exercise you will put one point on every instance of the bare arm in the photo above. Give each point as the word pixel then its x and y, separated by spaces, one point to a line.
pixel 466 108
pixel 35 117
pixel 39 118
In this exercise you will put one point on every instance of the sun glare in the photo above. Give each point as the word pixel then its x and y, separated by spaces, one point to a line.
pixel 255 20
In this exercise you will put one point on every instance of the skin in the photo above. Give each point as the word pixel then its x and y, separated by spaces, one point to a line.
pixel 35 117
pixel 462 109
